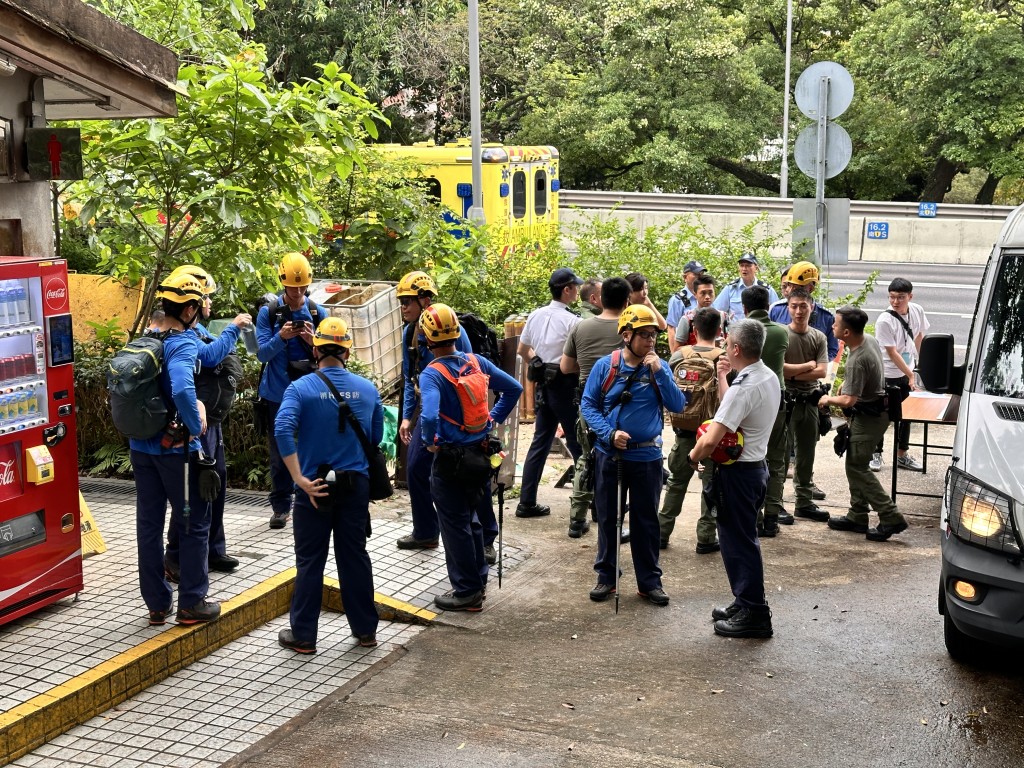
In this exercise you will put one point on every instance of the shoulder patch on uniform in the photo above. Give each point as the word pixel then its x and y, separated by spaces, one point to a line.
pixel 739 379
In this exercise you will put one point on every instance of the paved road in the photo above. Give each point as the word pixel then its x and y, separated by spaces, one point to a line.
pixel 948 293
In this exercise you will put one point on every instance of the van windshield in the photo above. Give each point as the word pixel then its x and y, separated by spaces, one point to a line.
pixel 1002 349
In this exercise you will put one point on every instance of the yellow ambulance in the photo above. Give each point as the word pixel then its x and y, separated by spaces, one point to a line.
pixel 520 185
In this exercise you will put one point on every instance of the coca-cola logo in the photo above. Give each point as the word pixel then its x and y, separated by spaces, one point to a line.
pixel 56 294
pixel 7 473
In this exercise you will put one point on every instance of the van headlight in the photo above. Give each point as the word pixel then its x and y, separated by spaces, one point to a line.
pixel 979 514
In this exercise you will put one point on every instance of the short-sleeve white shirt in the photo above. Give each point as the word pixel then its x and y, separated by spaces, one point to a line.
pixel 751 403
pixel 546 330
pixel 890 333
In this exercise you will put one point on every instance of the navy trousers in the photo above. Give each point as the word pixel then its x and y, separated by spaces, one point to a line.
pixel 213 446
pixel 313 528
pixel 462 535
pixel 417 476
pixel 739 491
pixel 282 488
pixel 556 405
pixel 160 480
pixel 642 480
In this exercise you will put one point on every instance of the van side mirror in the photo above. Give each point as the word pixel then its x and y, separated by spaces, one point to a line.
pixel 936 365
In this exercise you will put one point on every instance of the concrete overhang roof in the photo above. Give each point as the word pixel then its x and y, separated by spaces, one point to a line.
pixel 93 67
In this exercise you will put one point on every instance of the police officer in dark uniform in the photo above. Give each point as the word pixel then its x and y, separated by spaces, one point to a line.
pixel 457 437
pixel 750 406
pixel 326 461
pixel 160 473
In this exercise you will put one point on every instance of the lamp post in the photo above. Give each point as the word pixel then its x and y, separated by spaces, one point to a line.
pixel 784 174
pixel 476 211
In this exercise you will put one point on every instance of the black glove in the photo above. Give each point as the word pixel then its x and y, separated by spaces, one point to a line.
pixel 842 439
pixel 209 479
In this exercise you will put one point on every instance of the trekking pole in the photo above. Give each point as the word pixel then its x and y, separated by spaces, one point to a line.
pixel 620 516
pixel 187 510
pixel 501 527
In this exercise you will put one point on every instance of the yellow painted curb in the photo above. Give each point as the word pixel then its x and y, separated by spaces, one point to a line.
pixel 388 608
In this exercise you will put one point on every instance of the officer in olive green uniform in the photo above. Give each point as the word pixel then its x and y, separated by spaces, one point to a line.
pixel 776 341
pixel 862 398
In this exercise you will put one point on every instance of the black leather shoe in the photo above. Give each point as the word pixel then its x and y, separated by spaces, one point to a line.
pixel 601 592
pixel 490 554
pixel 223 563
pixel 846 524
pixel 882 532
pixel 411 542
pixel 817 494
pixel 707 549
pixel 745 623
pixel 624 538
pixel 768 530
pixel 449 602
pixel 578 527
pixel 655 596
pixel 813 513
pixel 719 614
pixel 286 639
pixel 533 510
pixel 785 518
pixel 663 544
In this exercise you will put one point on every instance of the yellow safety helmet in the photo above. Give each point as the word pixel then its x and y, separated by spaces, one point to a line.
pixel 332 330
pixel 295 271
pixel 636 316
pixel 416 284
pixel 200 274
pixel 802 273
pixel 439 323
pixel 181 289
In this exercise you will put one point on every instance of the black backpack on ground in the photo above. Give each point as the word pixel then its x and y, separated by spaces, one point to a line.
pixel 481 337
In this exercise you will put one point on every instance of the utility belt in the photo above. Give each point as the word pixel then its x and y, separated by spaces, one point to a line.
pixel 544 374
pixel 803 398
pixel 468 466
pixel 743 466
pixel 643 444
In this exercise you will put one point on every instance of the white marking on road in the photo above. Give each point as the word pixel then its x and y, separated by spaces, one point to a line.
pixel 955 286
pixel 928 312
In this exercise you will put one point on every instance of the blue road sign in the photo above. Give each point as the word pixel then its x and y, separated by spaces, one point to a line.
pixel 927 210
pixel 878 230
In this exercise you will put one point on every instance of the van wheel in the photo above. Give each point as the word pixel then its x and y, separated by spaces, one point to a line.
pixel 960 646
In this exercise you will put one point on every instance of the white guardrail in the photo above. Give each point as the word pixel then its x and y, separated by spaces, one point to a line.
pixel 668 203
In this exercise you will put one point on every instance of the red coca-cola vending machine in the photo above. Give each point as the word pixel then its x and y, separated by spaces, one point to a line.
pixel 40 533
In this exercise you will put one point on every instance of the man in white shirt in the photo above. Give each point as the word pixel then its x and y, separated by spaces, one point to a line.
pixel 899 332
pixel 540 345
pixel 750 404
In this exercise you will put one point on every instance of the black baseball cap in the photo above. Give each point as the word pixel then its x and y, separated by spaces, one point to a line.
pixel 750 258
pixel 694 266
pixel 562 277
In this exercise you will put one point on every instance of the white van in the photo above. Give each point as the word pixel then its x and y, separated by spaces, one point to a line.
pixel 981 589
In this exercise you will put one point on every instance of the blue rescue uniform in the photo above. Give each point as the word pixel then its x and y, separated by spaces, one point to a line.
pixel 307 423
pixel 458 506
pixel 160 479
pixel 641 462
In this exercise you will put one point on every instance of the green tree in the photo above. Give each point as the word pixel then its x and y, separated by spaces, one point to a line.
pixel 229 183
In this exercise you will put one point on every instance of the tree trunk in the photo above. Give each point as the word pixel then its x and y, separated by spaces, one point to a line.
pixel 749 176
pixel 940 180
pixel 988 190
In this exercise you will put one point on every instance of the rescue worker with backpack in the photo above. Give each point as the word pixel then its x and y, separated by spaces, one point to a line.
pixel 695 372
pixel 416 292
pixel 454 423
pixel 622 404
pixel 165 469
pixel 216 381
pixel 327 462
pixel 284 331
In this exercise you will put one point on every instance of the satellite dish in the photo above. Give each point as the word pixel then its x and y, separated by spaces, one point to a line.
pixel 838 150
pixel 840 89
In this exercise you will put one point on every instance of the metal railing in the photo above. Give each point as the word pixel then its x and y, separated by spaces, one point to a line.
pixel 670 203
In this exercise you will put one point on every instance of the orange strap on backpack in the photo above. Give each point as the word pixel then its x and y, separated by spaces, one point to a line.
pixel 471 386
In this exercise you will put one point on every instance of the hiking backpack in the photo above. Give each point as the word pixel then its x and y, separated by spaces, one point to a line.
pixel 696 375
pixel 217 386
pixel 482 338
pixel 137 406
pixel 613 374
pixel 471 386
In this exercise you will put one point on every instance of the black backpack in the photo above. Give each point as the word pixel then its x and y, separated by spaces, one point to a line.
pixel 217 386
pixel 481 337
pixel 137 406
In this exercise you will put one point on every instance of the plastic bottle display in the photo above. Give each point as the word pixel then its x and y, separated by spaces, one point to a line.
pixel 14 304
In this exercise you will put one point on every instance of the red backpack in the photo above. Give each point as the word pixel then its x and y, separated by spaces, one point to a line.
pixel 471 385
